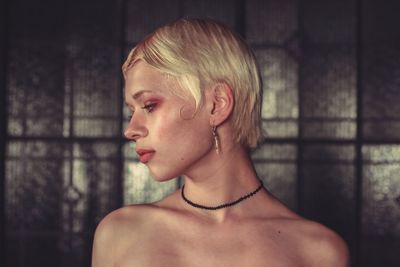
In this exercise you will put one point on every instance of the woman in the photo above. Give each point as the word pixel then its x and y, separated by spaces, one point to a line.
pixel 195 93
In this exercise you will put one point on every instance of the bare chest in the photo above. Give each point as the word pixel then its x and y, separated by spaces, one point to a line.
pixel 208 249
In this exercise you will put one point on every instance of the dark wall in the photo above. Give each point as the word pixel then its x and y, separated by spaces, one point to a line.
pixel 331 73
pixel 3 122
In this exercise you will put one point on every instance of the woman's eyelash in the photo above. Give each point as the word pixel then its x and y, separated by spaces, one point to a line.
pixel 149 107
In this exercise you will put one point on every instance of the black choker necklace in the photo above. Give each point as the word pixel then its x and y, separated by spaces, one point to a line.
pixel 229 204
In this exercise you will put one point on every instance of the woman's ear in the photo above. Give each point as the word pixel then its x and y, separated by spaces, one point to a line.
pixel 222 99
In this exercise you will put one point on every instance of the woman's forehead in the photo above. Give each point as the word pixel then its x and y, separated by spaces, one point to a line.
pixel 144 79
pixel 142 76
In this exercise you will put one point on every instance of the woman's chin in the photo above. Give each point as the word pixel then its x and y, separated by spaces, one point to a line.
pixel 162 177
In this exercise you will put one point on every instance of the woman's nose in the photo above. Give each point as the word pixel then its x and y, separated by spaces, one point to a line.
pixel 135 130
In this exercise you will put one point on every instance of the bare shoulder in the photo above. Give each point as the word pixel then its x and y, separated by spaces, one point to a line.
pixel 313 243
pixel 113 231
pixel 319 245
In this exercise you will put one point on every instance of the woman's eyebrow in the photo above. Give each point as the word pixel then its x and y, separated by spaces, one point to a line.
pixel 138 94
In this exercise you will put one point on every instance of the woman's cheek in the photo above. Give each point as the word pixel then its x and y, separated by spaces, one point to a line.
pixel 171 127
pixel 166 130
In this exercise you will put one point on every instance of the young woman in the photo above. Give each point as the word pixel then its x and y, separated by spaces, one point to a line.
pixel 195 93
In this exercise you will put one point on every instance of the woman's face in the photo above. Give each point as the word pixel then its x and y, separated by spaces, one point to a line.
pixel 171 139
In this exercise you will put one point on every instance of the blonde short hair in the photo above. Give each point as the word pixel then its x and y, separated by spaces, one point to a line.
pixel 202 52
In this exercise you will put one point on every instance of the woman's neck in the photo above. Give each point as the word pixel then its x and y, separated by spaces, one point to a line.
pixel 226 178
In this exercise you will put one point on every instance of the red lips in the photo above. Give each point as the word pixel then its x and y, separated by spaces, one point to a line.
pixel 145 154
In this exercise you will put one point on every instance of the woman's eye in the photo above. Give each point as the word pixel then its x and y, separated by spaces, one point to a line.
pixel 149 107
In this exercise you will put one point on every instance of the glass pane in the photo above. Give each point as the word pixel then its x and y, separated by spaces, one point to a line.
pixel 271 22
pixel 381 191
pixel 381 206
pixel 328 185
pixel 380 241
pixel 139 186
pixel 51 191
pixel 280 103
pixel 222 10
pixel 35 88
pixel 143 17
pixel 276 166
pixel 63 74
pixel 94 183
pixel 34 185
pixel 92 74
pixel 381 108
pixel 330 21
pixel 329 92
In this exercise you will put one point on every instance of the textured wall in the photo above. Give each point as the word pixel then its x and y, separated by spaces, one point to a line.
pixel 331 73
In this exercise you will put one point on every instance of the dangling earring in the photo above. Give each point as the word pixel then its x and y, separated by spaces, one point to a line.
pixel 216 139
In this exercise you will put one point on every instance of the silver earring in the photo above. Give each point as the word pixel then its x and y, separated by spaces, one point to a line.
pixel 216 139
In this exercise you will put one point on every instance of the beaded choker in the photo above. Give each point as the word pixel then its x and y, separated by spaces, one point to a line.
pixel 229 204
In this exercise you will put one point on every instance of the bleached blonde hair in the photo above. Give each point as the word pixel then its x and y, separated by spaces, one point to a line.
pixel 203 52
